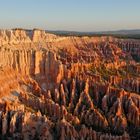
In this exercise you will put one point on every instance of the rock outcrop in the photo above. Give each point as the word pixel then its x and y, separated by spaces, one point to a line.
pixel 54 87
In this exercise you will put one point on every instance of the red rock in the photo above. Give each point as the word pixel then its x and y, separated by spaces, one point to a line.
pixel 58 87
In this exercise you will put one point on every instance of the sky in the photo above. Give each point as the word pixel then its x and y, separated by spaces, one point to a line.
pixel 70 15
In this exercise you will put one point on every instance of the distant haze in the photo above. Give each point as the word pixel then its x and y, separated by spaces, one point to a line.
pixel 70 15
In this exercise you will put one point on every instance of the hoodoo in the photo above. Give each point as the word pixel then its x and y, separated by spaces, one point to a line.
pixel 69 88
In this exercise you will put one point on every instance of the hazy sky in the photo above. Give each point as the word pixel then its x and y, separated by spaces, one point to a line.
pixel 78 15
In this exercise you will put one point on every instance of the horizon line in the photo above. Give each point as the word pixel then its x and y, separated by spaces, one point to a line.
pixel 63 30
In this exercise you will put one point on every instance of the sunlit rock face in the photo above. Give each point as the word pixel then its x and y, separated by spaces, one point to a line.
pixel 54 87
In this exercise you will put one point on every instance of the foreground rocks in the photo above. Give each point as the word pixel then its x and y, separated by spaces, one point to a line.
pixel 55 87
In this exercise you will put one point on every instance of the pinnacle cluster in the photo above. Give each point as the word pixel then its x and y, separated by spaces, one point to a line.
pixel 68 88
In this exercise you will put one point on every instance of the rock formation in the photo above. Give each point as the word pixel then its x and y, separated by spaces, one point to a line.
pixel 57 87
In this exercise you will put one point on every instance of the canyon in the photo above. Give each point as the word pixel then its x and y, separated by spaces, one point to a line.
pixel 67 87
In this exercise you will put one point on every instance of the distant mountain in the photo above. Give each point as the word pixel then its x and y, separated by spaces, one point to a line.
pixel 117 32
pixel 123 32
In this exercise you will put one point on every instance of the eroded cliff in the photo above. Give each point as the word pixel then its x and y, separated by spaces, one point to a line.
pixel 54 87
